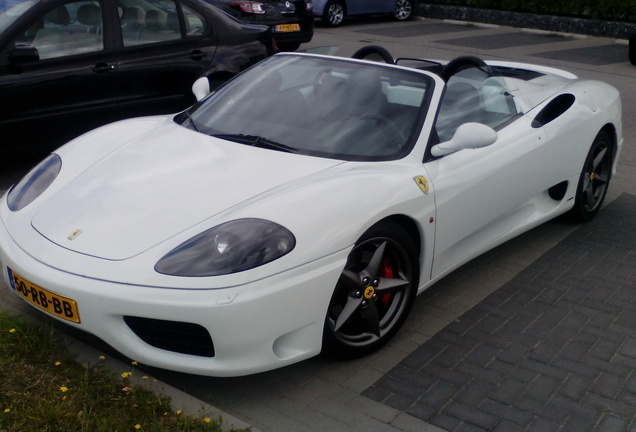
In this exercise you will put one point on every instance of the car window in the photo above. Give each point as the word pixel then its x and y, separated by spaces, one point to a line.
pixel 151 21
pixel 67 29
pixel 11 10
pixel 474 94
pixel 195 24
pixel 319 106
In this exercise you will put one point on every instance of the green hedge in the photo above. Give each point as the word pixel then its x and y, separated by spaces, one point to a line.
pixel 609 10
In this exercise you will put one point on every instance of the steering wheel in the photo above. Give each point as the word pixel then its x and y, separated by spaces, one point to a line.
pixel 387 126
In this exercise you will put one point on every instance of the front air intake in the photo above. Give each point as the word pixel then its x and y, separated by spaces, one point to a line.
pixel 176 336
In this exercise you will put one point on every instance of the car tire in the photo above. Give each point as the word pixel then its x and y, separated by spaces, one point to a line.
pixel 594 179
pixel 404 10
pixel 334 14
pixel 376 292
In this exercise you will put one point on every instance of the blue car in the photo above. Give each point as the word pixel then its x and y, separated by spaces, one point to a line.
pixel 333 12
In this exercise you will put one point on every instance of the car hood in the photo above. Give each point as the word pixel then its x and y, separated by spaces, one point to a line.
pixel 160 184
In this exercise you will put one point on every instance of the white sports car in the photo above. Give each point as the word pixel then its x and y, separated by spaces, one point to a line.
pixel 302 206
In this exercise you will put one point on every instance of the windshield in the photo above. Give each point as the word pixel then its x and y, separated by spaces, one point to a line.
pixel 11 10
pixel 318 106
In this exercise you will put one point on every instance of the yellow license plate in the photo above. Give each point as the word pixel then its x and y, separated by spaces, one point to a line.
pixel 288 27
pixel 62 307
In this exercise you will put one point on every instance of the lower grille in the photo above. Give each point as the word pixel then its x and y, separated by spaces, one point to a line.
pixel 181 337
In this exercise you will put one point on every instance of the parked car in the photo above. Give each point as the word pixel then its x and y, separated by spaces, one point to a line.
pixel 301 206
pixel 291 21
pixel 68 66
pixel 333 12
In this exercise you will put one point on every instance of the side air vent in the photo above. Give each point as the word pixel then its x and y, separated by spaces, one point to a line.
pixel 557 192
pixel 554 109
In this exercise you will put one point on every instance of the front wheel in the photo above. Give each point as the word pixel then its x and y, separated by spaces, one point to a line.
pixel 594 179
pixel 374 294
pixel 403 10
pixel 334 13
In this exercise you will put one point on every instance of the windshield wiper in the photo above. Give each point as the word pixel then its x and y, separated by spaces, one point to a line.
pixel 187 116
pixel 257 141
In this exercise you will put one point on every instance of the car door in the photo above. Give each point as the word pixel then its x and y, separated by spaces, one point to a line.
pixel 57 74
pixel 365 6
pixel 486 194
pixel 165 47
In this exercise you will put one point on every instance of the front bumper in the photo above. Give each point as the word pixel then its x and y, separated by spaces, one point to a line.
pixel 293 37
pixel 254 327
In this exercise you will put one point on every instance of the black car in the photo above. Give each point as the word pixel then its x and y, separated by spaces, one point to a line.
pixel 291 21
pixel 67 66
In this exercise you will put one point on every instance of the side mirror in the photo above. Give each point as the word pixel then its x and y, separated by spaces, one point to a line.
pixel 467 136
pixel 201 88
pixel 24 54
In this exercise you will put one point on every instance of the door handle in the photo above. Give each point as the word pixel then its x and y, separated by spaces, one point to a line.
pixel 197 55
pixel 103 68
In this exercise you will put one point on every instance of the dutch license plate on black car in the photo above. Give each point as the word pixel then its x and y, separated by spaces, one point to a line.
pixel 60 306
pixel 287 28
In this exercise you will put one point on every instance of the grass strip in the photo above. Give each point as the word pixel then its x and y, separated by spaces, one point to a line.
pixel 43 388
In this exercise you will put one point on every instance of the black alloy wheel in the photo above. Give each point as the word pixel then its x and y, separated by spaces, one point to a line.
pixel 594 179
pixel 374 294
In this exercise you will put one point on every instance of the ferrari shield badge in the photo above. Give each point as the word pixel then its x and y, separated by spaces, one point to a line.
pixel 422 183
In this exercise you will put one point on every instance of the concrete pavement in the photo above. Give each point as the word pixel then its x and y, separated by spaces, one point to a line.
pixel 407 385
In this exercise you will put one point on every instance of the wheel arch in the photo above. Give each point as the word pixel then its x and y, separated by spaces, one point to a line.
pixel 342 3
pixel 410 226
pixel 610 129
pixel 612 132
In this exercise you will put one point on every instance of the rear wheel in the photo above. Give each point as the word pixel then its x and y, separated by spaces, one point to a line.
pixel 403 10
pixel 334 13
pixel 374 294
pixel 594 179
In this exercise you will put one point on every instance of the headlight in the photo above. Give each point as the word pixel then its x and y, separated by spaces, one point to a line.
pixel 228 248
pixel 34 183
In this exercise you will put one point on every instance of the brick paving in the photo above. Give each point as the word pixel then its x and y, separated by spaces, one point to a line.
pixel 554 349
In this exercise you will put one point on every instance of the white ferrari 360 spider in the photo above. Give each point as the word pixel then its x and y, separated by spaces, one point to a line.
pixel 301 206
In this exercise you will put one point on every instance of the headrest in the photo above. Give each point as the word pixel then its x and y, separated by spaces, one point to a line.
pixel 153 19
pixel 58 16
pixel 133 15
pixel 89 15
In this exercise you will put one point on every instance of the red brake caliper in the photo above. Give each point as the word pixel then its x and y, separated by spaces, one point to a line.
pixel 386 271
